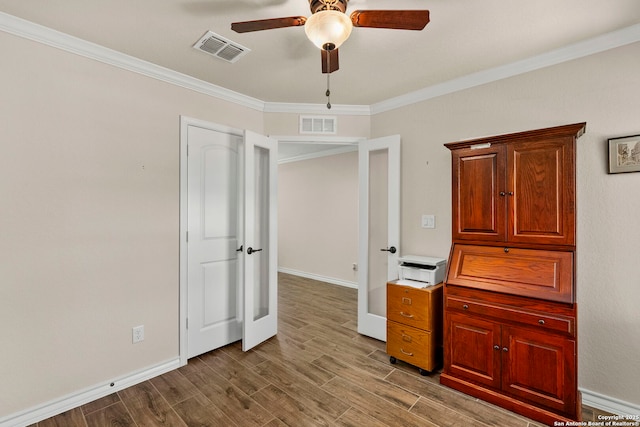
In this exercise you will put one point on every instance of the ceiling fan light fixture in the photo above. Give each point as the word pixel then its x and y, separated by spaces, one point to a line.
pixel 328 27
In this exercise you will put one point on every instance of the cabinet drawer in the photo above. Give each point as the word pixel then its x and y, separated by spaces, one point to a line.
pixel 413 306
pixel 533 273
pixel 543 321
pixel 412 345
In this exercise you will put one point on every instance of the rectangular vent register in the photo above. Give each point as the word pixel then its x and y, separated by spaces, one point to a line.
pixel 220 47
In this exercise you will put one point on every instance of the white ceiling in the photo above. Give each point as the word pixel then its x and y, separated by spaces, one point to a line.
pixel 463 37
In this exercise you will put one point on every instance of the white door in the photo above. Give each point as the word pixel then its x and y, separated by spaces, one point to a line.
pixel 213 237
pixel 379 234
pixel 228 198
pixel 260 228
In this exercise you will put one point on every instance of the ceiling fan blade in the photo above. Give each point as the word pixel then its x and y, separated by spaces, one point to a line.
pixel 268 24
pixel 393 19
pixel 332 64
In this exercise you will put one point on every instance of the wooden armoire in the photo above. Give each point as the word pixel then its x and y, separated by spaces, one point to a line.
pixel 510 313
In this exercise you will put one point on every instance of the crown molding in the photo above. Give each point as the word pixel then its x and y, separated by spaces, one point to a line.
pixel 57 39
pixel 581 49
pixel 282 107
pixel 48 36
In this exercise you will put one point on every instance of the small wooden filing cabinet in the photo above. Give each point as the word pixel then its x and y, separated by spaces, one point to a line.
pixel 414 325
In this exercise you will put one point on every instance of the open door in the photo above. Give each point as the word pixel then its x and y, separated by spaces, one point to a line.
pixel 260 276
pixel 228 244
pixel 379 233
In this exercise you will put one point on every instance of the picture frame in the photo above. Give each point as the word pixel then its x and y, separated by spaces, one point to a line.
pixel 624 154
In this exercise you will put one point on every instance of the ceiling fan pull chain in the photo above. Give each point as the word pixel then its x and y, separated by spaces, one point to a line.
pixel 328 93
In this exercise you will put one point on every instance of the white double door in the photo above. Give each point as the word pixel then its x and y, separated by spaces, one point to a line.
pixel 231 237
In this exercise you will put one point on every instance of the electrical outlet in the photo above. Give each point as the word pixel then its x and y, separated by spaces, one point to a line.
pixel 138 334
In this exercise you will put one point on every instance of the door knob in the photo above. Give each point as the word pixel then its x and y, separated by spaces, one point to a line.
pixel 250 250
pixel 391 249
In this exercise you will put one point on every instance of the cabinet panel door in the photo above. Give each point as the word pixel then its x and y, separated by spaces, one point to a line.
pixel 542 192
pixel 534 273
pixel 478 182
pixel 470 349
pixel 540 368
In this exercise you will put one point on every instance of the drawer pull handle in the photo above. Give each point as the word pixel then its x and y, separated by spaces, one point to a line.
pixel 465 307
pixel 506 250
pixel 406 338
pixel 541 321
pixel 404 352
pixel 406 301
pixel 410 316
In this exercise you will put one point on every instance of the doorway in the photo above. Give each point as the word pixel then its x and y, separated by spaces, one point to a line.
pixel 228 237
pixel 320 227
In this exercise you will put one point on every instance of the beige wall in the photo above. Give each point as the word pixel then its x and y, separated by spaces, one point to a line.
pixel 89 203
pixel 318 217
pixel 602 90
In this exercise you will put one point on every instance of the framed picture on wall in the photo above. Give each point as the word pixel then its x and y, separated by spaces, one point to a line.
pixel 624 154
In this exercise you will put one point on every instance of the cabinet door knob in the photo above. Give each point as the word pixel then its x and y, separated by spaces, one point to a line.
pixel 506 250
pixel 496 347
pixel 465 307
pixel 510 193
pixel 502 193
pixel 541 321
pixel 505 349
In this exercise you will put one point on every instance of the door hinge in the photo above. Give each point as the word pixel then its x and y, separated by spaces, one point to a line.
pixel 187 236
pixel 187 149
pixel 187 323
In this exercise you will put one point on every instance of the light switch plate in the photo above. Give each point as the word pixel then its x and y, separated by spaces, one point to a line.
pixel 428 221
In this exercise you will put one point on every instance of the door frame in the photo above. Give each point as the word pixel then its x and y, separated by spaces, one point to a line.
pixel 183 308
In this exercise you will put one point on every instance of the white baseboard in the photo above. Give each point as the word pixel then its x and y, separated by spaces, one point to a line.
pixel 331 280
pixel 58 406
pixel 608 403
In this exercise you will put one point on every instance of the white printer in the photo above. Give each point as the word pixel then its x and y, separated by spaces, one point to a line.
pixel 420 271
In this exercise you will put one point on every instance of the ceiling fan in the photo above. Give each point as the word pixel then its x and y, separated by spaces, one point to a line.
pixel 329 26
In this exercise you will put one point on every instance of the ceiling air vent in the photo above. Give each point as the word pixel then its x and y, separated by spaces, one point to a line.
pixel 220 47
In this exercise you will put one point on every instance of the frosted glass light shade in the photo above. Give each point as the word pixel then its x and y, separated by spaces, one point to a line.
pixel 328 26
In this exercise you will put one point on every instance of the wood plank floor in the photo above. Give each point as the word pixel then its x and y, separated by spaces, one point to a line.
pixel 318 371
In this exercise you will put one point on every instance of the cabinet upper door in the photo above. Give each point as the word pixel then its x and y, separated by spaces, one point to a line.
pixel 541 191
pixel 479 193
